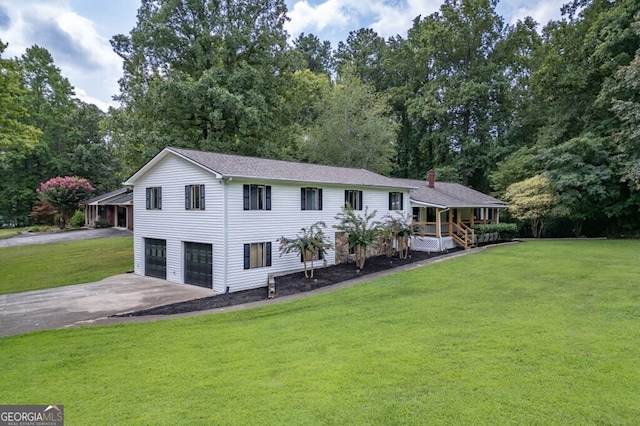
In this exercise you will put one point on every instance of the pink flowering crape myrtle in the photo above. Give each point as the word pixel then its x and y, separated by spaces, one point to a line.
pixel 65 195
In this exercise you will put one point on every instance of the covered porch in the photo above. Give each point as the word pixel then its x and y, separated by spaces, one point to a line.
pixel 114 208
pixel 441 228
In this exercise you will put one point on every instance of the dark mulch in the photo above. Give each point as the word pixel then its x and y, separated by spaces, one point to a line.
pixel 288 284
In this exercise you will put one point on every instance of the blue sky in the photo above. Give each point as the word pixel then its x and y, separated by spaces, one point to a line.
pixel 77 32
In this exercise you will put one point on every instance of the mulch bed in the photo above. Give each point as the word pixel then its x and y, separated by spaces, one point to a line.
pixel 288 284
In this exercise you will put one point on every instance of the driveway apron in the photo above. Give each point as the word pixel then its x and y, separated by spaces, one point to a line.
pixel 85 303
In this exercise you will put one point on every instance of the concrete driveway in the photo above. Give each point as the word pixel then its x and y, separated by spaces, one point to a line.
pixel 86 303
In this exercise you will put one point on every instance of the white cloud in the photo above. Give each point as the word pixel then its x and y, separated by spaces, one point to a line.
pixel 83 55
pixel 541 11
pixel 394 20
pixel 82 95
pixel 308 18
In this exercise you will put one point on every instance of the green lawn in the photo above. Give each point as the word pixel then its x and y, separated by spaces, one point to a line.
pixel 33 267
pixel 532 333
pixel 10 232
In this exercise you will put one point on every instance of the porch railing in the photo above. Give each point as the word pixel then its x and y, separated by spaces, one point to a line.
pixel 463 235
pixel 426 229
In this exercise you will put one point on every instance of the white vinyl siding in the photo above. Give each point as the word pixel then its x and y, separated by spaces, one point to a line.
pixel 175 224
pixel 228 233
pixel 285 219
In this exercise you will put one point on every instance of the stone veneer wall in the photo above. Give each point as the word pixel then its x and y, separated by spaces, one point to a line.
pixel 342 249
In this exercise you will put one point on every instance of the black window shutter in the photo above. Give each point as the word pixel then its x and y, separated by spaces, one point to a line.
pixel 319 198
pixel 148 198
pixel 160 197
pixel 401 201
pixel 391 201
pixel 187 197
pixel 268 250
pixel 247 256
pixel 346 196
pixel 268 196
pixel 303 198
pixel 359 200
pixel 202 197
pixel 245 189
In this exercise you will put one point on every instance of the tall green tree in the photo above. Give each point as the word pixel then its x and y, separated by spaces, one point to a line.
pixel 205 74
pixel 363 54
pixel 50 103
pixel 457 107
pixel 315 55
pixel 18 142
pixel 354 128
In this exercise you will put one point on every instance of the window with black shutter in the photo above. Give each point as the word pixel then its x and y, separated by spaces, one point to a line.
pixel 396 201
pixel 256 197
pixel 194 197
pixel 154 198
pixel 311 198
pixel 353 198
pixel 257 255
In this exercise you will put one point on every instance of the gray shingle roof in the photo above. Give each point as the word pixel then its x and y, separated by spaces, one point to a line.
pixel 260 168
pixel 448 194
pixel 124 199
pixel 100 199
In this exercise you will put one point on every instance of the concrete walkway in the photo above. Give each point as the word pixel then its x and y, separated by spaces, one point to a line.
pixel 85 303
pixel 27 238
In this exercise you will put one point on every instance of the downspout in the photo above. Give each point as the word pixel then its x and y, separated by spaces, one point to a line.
pixel 225 232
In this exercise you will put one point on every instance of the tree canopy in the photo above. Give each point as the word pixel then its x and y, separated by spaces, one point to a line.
pixel 483 102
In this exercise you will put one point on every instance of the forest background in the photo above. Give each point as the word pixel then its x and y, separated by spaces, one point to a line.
pixel 493 106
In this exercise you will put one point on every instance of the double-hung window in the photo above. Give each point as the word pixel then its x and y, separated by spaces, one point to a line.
pixel 353 198
pixel 154 198
pixel 311 198
pixel 256 197
pixel 194 197
pixel 257 255
pixel 396 201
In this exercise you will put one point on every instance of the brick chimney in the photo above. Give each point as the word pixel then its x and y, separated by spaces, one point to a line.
pixel 432 178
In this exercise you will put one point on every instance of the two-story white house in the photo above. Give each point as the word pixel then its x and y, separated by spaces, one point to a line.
pixel 213 219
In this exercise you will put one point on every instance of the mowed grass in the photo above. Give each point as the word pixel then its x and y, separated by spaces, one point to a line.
pixel 531 333
pixel 10 232
pixel 34 267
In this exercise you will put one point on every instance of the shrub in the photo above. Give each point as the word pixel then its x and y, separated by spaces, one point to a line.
pixel 361 230
pixel 506 231
pixel 398 229
pixel 310 243
pixel 102 224
pixel 77 220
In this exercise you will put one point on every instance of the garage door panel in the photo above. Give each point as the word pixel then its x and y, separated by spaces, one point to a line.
pixel 198 264
pixel 155 258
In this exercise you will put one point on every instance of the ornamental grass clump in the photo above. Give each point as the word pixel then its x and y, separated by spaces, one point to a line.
pixel 65 194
